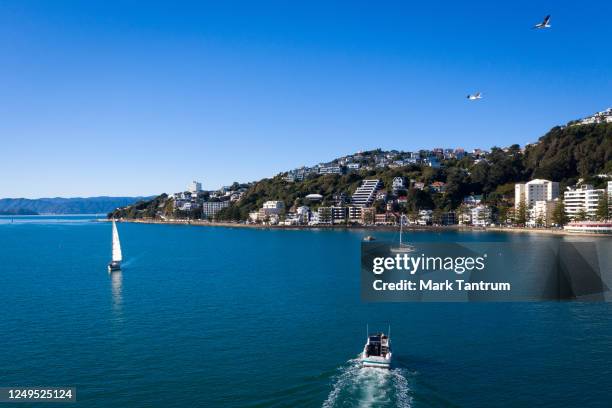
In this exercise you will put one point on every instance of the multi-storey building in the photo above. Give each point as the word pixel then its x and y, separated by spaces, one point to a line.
pixel 303 214
pixel 582 199
pixel 324 215
pixel 194 187
pixel 330 170
pixel 424 217
pixel 354 214
pixel 541 213
pixel 480 215
pixel 273 207
pixel 448 218
pixel 387 218
pixel 364 195
pixel 535 190
pixel 210 208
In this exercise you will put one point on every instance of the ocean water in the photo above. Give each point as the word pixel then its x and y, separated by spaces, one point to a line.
pixel 230 317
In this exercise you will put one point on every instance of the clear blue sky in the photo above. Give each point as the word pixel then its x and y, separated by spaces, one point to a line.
pixel 128 98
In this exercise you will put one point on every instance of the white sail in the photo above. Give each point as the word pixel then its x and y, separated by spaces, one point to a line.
pixel 116 244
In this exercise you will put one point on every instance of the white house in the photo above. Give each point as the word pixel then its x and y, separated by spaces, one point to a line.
pixel 424 217
pixel 599 117
pixel 273 207
pixel 303 214
pixel 398 183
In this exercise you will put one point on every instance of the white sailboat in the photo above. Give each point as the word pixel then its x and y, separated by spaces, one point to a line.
pixel 403 247
pixel 115 263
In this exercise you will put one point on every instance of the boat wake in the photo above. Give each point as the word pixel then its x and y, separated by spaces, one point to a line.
pixel 356 386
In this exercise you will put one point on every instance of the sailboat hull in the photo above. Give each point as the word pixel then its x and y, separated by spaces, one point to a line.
pixel 402 250
pixel 114 266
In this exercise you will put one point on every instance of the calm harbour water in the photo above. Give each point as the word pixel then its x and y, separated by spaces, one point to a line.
pixel 221 317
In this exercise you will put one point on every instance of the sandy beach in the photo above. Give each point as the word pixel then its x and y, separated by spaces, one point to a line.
pixel 457 228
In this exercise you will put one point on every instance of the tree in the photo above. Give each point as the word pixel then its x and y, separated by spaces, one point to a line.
pixel 581 215
pixel 413 216
pixel 539 222
pixel 368 215
pixel 603 207
pixel 436 216
pixel 521 214
pixel 503 213
pixel 463 214
pixel 559 217
pixel 380 206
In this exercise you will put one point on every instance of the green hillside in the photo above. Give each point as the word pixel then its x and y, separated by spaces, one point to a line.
pixel 564 154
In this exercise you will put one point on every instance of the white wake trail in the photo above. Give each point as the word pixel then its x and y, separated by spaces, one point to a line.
pixel 369 387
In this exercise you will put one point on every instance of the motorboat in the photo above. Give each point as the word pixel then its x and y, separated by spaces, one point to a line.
pixel 377 351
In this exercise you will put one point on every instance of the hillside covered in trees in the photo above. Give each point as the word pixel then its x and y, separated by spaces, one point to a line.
pixel 565 154
pixel 59 205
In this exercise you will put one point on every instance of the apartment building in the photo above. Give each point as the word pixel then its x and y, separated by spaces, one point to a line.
pixel 583 198
pixel 365 194
pixel 273 207
pixel 330 170
pixel 210 208
pixel 480 215
pixel 354 214
pixel 535 190
pixel 194 187
pixel 541 213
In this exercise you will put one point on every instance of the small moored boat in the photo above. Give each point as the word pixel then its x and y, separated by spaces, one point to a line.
pixel 368 238
pixel 403 247
pixel 377 351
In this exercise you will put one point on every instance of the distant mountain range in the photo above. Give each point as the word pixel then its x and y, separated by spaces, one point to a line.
pixel 59 205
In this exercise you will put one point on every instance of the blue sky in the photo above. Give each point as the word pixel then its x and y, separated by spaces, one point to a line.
pixel 128 98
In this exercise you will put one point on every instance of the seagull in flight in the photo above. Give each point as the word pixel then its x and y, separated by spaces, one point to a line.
pixel 543 24
pixel 474 97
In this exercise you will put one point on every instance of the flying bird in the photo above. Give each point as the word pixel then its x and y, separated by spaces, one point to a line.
pixel 543 24
pixel 474 97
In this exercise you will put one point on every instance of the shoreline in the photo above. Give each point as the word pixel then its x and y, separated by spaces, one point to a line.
pixel 434 228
